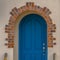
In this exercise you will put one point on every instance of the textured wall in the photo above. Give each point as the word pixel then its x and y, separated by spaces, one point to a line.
pixel 5 8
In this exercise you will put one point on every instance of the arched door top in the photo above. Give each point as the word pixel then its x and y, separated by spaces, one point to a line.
pixel 29 8
pixel 41 19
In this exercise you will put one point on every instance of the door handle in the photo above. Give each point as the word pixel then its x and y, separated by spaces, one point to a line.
pixel 43 44
pixel 44 48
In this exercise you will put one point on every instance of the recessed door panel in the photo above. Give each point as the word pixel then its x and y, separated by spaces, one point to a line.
pixel 32 38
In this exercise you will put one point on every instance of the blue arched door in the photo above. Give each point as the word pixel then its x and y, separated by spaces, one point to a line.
pixel 32 38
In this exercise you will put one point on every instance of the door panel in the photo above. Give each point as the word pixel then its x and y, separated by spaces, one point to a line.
pixel 32 38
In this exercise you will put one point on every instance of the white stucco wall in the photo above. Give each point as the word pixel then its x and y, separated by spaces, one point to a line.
pixel 5 8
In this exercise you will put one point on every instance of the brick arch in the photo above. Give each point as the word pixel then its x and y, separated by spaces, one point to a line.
pixel 30 7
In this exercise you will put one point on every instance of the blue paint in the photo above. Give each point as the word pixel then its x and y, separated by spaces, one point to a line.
pixel 32 38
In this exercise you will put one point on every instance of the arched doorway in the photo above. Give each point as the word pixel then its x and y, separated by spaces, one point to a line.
pixel 43 23
pixel 32 38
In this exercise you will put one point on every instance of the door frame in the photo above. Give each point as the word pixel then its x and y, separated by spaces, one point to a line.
pixel 18 13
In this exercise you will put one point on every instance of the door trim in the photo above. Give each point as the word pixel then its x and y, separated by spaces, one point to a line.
pixel 18 13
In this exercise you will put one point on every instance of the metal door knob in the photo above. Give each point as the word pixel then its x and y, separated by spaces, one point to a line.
pixel 43 43
pixel 43 48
